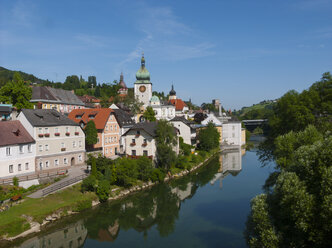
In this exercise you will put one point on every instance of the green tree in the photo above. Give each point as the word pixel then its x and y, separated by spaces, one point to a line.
pixel 92 81
pixel 97 92
pixel 166 139
pixel 126 170
pixel 149 114
pixel 93 167
pixel 71 83
pixel 144 168
pixel 16 92
pixel 91 133
pixel 208 138
pixel 103 190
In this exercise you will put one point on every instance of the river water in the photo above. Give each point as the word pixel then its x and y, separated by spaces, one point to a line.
pixel 205 209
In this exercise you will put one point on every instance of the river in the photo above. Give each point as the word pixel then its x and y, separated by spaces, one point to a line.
pixel 205 209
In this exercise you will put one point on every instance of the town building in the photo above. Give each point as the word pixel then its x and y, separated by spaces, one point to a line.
pixel 90 101
pixel 140 140
pixel 181 108
pixel 143 85
pixel 186 129
pixel 17 150
pixel 232 133
pixel 123 91
pixel 162 111
pixel 108 143
pixel 61 100
pixel 60 142
pixel 6 112
pixel 217 123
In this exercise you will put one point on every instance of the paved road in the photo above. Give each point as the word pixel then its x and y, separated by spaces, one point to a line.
pixel 74 171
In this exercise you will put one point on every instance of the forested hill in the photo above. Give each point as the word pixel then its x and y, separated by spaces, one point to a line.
pixel 7 75
pixel 257 111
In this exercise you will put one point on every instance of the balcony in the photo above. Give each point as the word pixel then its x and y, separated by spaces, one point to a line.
pixel 40 135
pixel 144 144
pixel 132 144
pixel 137 135
pixel 137 157
pixel 56 134
pixel 77 133
pixel 63 149
pixel 47 135
pixel 67 134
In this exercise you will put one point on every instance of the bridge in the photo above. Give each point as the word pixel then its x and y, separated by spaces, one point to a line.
pixel 252 124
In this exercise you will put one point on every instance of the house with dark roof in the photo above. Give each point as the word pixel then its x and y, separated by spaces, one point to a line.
pixel 140 140
pixel 50 98
pixel 186 129
pixel 17 150
pixel 60 142
pixel 5 112
pixel 108 143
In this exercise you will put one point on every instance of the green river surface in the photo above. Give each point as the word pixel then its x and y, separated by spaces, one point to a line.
pixel 207 208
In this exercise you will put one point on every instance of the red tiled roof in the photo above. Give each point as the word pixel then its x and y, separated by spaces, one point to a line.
pixel 13 133
pixel 178 103
pixel 100 119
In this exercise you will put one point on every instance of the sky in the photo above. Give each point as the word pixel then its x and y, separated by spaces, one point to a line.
pixel 241 52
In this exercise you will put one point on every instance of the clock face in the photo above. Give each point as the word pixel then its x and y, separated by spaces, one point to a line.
pixel 142 88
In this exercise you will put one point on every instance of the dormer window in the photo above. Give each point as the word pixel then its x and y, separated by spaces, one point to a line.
pixel 79 116
pixel 92 116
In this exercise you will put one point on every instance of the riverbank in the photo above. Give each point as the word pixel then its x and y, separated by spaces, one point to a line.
pixel 29 216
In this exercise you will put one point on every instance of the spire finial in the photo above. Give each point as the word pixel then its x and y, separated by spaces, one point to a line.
pixel 143 60
pixel 121 77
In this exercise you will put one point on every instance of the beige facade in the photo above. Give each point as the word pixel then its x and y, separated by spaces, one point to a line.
pixel 111 137
pixel 139 143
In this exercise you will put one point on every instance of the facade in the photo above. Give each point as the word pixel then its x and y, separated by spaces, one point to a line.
pixel 125 123
pixel 6 112
pixel 162 111
pixel 60 100
pixel 186 129
pixel 60 142
pixel 218 124
pixel 143 86
pixel 108 128
pixel 232 133
pixel 181 109
pixel 17 150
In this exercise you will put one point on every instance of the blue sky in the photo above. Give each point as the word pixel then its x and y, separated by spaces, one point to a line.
pixel 241 52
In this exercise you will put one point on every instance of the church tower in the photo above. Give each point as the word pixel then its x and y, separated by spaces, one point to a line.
pixel 143 86
pixel 172 94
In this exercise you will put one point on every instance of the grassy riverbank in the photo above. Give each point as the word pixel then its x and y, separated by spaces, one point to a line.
pixel 16 220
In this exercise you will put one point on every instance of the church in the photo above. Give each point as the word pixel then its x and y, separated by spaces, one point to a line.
pixel 143 92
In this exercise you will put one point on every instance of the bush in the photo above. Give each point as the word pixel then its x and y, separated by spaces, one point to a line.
pixel 203 154
pixel 15 181
pixel 83 204
pixel 144 167
pixel 89 183
pixel 103 190
pixel 126 170
pixel 182 162
pixel 157 175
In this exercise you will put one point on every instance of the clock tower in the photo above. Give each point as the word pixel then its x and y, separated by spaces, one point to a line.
pixel 143 86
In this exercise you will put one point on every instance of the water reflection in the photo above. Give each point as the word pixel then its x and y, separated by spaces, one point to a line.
pixel 156 208
pixel 230 163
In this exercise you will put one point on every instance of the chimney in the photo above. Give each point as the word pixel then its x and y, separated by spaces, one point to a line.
pixel 219 109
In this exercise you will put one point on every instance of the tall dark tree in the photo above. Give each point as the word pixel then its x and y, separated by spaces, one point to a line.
pixel 71 83
pixel 208 138
pixel 91 134
pixel 92 82
pixel 149 114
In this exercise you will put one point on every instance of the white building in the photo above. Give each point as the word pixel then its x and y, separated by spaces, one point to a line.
pixel 186 131
pixel 232 133
pixel 60 142
pixel 166 112
pixel 17 150
pixel 143 86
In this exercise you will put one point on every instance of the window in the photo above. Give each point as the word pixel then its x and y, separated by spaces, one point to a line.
pixel 92 116
pixel 46 130
pixel 62 145
pixel 233 127
pixel 8 151
pixel 26 166
pixel 98 140
pixel 56 162
pixel 111 150
pixel 111 139
pixel 145 141
pixel 133 141
pixel 116 150
pixel 67 129
pixel 65 161
pixel 115 139
pixel 78 116
pixel 138 132
pixel 111 128
pixel 40 148
pixel 11 168
pixel 106 140
pixel 106 128
pixel 115 127
pixel 40 130
pixel 19 167
pixel 56 129
pixel 74 144
pixel 21 148
pixel 80 158
pixel 145 153
pixel 80 143
pixel 46 147
pixel 41 165
pixel 106 150
pixel 29 148
pixel 46 163
pixel 133 152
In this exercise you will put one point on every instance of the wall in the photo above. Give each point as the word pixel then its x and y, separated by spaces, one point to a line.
pixel 185 131
pixel 111 137
pixel 231 133
pixel 143 96
pixel 151 147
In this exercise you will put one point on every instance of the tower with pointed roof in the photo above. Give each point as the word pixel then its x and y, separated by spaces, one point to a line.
pixel 172 93
pixel 143 86
pixel 123 91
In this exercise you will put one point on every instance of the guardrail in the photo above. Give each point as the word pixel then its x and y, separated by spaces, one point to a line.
pixel 61 185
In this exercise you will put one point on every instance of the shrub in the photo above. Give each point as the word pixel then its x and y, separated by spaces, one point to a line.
pixel 89 184
pixel 15 181
pixel 157 175
pixel 181 162
pixel 126 170
pixel 203 154
pixel 144 167
pixel 81 205
pixel 103 190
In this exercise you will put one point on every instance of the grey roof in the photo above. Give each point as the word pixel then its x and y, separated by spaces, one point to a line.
pixel 47 117
pixel 182 119
pixel 123 118
pixel 149 127
pixel 5 109
pixel 49 94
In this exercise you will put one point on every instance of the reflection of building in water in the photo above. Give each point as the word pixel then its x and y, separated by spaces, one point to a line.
pixel 183 194
pixel 109 234
pixel 230 163
pixel 72 236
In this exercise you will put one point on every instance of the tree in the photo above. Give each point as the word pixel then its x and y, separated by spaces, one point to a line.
pixel 208 138
pixel 92 82
pixel 93 167
pixel 91 133
pixel 103 190
pixel 166 139
pixel 97 91
pixel 149 114
pixel 71 83
pixel 16 92
pixel 126 170
pixel 144 168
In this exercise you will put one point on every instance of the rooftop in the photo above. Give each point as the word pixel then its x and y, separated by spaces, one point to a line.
pixel 98 115
pixel 13 133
